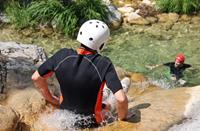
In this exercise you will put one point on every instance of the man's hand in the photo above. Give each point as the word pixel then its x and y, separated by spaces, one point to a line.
pixel 42 85
pixel 122 104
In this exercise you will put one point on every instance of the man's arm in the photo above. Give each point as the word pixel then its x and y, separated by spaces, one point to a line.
pixel 122 104
pixel 42 85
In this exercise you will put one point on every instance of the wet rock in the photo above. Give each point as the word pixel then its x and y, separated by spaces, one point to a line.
pixel 173 17
pixel 22 62
pixel 107 2
pixel 132 16
pixel 146 10
pixel 3 75
pixel 195 20
pixel 159 109
pixel 122 73
pixel 152 20
pixel 8 119
pixel 115 18
pixel 28 102
pixel 138 77
pixel 185 18
pixel 125 9
pixel 168 17
pixel 139 21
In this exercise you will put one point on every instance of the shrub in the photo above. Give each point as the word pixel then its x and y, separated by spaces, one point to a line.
pixel 18 15
pixel 178 6
pixel 65 15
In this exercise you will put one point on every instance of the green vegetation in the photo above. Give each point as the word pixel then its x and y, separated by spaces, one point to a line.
pixel 178 6
pixel 133 47
pixel 54 13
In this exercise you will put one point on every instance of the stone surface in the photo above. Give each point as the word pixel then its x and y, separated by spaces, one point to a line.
pixel 164 17
pixel 3 73
pixel 139 21
pixel 125 9
pixel 151 19
pixel 27 102
pixel 156 110
pixel 185 18
pixel 8 119
pixel 22 62
pixel 115 18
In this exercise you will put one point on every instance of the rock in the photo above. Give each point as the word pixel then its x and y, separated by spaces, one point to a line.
pixel 138 77
pixel 173 17
pixel 195 20
pixel 122 73
pixel 8 119
pixel 3 18
pixel 139 21
pixel 151 19
pixel 125 9
pixel 147 2
pixel 22 62
pixel 115 18
pixel 185 18
pixel 146 10
pixel 28 102
pixel 160 109
pixel 107 2
pixel 132 16
pixel 3 74
pixel 168 17
pixel 163 17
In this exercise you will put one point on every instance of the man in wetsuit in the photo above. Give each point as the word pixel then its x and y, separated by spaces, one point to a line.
pixel 176 68
pixel 82 75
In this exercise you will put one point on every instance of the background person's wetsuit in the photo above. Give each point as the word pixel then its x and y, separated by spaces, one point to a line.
pixel 177 71
pixel 82 75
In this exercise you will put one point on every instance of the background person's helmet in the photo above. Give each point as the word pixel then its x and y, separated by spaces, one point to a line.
pixel 93 34
pixel 180 58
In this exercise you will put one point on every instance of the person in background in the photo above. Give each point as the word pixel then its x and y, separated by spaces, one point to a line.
pixel 176 68
pixel 82 74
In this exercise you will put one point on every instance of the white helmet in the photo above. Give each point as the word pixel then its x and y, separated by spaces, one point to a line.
pixel 93 34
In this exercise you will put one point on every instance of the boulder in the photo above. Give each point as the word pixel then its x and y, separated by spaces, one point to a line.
pixel 125 9
pixel 3 73
pixel 28 102
pixel 139 21
pixel 164 17
pixel 160 109
pixel 115 18
pixel 22 62
pixel 185 18
pixel 8 119
pixel 155 109
pixel 107 2
pixel 151 19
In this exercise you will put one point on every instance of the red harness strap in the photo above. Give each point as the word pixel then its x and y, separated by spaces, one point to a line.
pixel 98 106
pixel 84 51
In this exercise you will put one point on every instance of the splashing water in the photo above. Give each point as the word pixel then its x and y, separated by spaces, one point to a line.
pixel 61 120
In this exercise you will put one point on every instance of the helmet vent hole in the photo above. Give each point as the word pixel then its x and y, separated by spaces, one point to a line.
pixel 96 26
pixel 90 22
pixel 97 21
pixel 102 26
pixel 81 33
pixel 90 39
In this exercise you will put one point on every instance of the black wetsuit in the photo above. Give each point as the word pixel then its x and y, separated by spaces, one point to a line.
pixel 177 71
pixel 82 77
